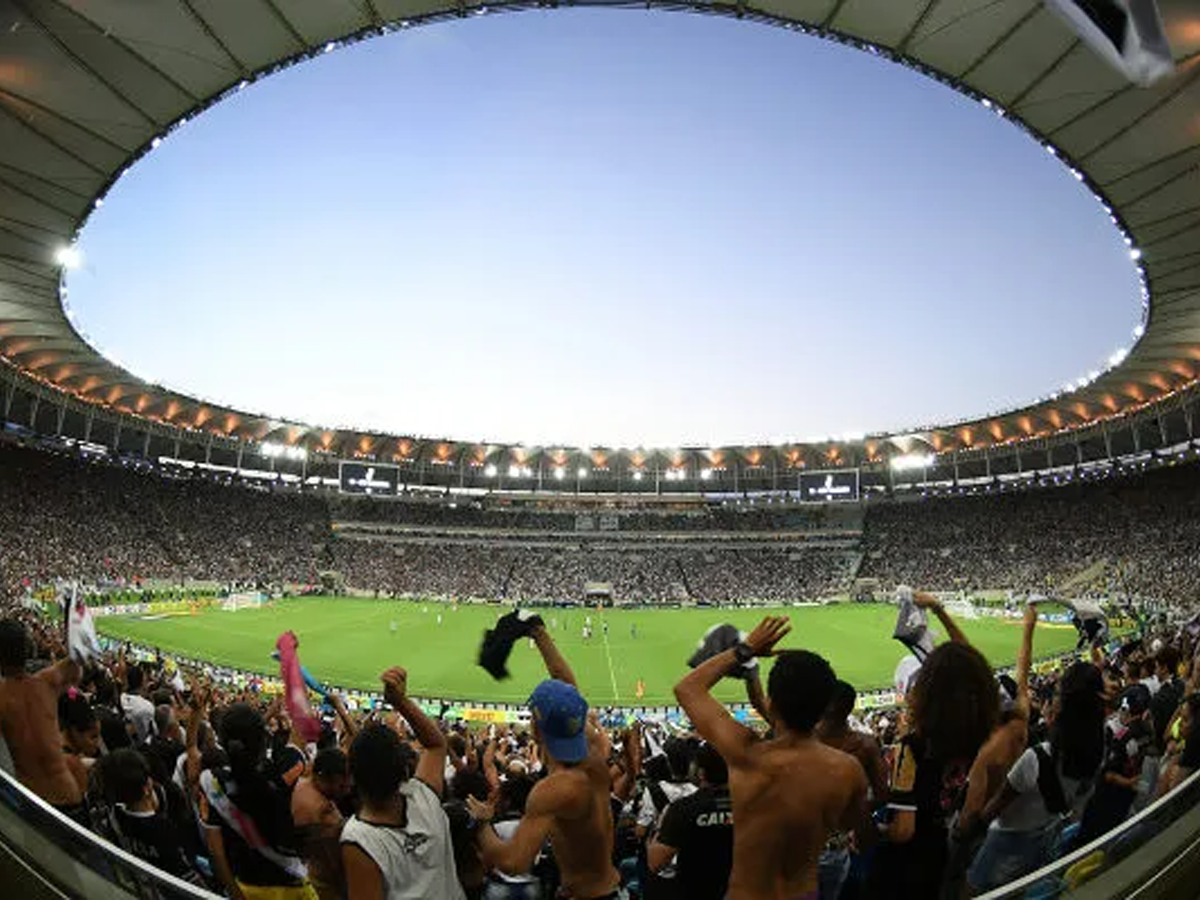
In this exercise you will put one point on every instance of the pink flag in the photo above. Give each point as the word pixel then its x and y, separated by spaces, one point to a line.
pixel 295 693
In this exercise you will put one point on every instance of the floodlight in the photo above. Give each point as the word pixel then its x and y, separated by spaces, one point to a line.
pixel 560 473
pixel 1135 253
pixel 637 475
pixel 514 471
pixel 1139 331
pixel 583 473
pixel 69 257
pixel 490 471
pixel 706 474
pixel 910 461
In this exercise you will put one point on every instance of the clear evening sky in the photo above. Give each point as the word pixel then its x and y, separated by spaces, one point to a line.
pixel 600 227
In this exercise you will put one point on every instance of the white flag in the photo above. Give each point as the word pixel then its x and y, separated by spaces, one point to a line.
pixel 82 643
pixel 1128 34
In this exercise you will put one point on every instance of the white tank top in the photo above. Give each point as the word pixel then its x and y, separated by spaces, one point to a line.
pixel 416 861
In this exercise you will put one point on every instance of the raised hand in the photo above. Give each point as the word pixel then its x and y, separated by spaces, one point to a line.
pixel 480 811
pixel 925 600
pixel 769 632
pixel 395 685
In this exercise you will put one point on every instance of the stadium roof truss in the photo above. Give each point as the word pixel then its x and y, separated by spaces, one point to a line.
pixel 88 86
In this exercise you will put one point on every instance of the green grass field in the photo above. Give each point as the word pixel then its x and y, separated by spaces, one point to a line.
pixel 348 642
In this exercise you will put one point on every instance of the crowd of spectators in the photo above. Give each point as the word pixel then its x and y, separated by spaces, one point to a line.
pixel 639 574
pixel 973 782
pixel 74 517
pixel 553 516
pixel 68 517
pixel 1142 531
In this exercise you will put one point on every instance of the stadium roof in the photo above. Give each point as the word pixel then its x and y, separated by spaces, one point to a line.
pixel 88 86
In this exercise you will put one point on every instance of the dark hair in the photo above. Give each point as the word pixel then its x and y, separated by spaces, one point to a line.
pixel 164 715
pixel 679 757
pixel 75 713
pixel 378 763
pixel 841 704
pixel 514 792
pixel 656 768
pixel 106 693
pixel 133 678
pixel 243 734
pixel 800 686
pixel 14 644
pixel 712 764
pixel 330 763
pixel 124 774
pixel 1077 733
pixel 955 703
pixel 469 783
pixel 1168 658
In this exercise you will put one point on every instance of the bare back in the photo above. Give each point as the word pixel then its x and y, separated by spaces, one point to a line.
pixel 787 797
pixel 582 829
pixel 29 722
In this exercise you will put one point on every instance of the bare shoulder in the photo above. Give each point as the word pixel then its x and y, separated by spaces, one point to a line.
pixel 565 793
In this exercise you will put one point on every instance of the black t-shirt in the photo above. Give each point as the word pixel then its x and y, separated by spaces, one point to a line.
pixel 700 827
pixel 250 866
pixel 153 838
pixel 932 789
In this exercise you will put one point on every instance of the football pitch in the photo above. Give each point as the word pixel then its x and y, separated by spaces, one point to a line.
pixel 348 642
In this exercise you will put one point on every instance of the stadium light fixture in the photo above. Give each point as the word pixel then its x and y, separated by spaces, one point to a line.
pixel 1139 331
pixel 1135 253
pixel 489 471
pixel 514 471
pixel 560 473
pixel 583 473
pixel 69 257
pixel 705 474
pixel 910 461
pixel 637 474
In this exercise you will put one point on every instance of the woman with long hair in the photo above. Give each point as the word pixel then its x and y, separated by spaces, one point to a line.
pixel 1049 782
pixel 247 807
pixel 952 708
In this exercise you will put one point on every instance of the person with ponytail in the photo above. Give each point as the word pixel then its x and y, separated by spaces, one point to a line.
pixel 247 810
pixel 1049 782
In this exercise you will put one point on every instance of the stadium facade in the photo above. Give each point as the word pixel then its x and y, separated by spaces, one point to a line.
pixel 87 89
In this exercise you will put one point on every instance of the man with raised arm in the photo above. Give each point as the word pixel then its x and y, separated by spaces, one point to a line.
pixel 570 806
pixel 789 792
pixel 398 845
pixel 29 721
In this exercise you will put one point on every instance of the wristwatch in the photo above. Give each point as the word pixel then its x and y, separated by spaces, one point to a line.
pixel 743 653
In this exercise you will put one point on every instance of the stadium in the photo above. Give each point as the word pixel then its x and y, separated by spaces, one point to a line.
pixel 199 533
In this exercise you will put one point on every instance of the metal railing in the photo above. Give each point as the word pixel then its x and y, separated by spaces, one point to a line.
pixel 73 860
pixel 1065 875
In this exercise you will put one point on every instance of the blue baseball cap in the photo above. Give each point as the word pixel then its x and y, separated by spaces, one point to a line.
pixel 561 715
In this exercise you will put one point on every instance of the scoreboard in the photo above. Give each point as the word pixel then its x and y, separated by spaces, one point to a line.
pixel 360 478
pixel 840 486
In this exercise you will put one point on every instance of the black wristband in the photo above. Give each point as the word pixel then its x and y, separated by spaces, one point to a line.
pixel 743 653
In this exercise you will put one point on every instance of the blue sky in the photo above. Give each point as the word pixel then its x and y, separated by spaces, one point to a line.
pixel 600 227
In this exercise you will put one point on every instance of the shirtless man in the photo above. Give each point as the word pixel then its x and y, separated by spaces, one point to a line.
pixel 29 721
pixel 319 821
pixel 789 792
pixel 570 805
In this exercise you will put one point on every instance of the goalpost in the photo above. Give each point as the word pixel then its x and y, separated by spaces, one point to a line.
pixel 244 600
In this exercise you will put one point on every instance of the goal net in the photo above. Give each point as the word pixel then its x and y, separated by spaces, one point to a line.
pixel 234 602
